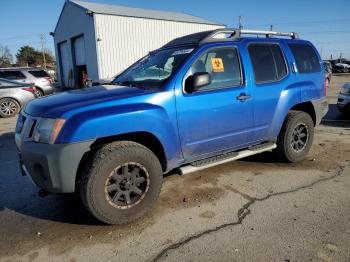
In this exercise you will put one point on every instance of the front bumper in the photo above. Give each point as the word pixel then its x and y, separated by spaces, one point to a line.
pixel 344 102
pixel 52 168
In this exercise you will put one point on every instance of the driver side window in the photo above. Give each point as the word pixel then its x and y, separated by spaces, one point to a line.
pixel 223 66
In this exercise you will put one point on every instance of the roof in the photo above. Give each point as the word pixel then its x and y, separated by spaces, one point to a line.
pixel 141 13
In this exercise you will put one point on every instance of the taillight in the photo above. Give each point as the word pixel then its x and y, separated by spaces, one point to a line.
pixel 31 89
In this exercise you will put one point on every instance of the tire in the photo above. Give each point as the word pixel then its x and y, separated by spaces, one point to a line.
pixel 39 92
pixel 289 141
pixel 111 174
pixel 9 107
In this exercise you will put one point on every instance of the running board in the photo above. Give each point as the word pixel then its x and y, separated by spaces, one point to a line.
pixel 194 167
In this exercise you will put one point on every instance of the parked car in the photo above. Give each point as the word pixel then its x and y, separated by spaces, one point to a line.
pixel 41 79
pixel 341 68
pixel 13 96
pixel 200 100
pixel 328 73
pixel 344 99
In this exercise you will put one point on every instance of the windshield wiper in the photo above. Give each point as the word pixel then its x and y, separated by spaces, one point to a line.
pixel 126 83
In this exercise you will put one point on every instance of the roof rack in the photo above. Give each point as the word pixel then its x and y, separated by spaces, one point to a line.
pixel 228 34
pixel 225 34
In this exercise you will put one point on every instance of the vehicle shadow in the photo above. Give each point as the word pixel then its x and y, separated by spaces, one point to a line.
pixel 20 195
pixel 334 118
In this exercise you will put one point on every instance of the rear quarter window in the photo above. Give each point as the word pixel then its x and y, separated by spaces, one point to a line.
pixel 305 58
pixel 39 73
pixel 12 75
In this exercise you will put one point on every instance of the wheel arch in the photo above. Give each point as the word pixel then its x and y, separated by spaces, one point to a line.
pixel 308 108
pixel 144 138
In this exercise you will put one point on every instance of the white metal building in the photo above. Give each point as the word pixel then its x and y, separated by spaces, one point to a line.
pixel 102 40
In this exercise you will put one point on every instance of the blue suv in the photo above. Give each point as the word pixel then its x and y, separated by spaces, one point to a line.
pixel 199 101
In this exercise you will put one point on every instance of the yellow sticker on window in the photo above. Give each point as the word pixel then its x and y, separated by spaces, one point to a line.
pixel 218 65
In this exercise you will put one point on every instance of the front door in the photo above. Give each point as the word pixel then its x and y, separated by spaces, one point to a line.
pixel 219 116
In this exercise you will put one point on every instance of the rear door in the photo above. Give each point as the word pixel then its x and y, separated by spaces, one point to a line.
pixel 214 118
pixel 270 77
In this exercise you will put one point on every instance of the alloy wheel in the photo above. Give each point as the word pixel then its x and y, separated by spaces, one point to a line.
pixel 299 137
pixel 8 107
pixel 127 185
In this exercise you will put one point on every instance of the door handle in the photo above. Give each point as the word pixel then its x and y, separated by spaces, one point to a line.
pixel 242 97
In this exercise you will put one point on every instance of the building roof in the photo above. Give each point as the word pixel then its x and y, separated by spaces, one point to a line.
pixel 141 13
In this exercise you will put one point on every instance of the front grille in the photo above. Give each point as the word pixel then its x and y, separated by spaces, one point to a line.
pixel 32 127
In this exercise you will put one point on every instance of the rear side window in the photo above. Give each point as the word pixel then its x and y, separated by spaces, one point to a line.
pixel 39 73
pixel 305 58
pixel 12 75
pixel 268 62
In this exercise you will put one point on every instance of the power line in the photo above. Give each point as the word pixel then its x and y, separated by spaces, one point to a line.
pixel 324 32
pixel 19 37
pixel 306 23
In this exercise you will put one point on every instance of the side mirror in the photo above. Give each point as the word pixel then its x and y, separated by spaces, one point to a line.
pixel 194 82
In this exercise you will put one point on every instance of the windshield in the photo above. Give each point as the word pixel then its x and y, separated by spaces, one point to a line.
pixel 154 69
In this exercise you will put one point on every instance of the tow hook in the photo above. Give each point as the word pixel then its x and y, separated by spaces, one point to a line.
pixel 43 193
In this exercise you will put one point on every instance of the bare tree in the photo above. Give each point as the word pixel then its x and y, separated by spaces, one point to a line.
pixel 6 57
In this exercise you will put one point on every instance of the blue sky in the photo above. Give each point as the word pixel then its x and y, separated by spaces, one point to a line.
pixel 326 23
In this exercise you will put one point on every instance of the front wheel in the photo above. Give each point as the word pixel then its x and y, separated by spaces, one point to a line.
pixel 296 137
pixel 121 183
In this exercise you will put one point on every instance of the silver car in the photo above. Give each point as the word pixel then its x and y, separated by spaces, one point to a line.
pixel 344 99
pixel 13 96
pixel 41 79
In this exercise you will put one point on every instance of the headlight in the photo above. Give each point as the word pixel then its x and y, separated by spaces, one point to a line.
pixel 345 91
pixel 47 130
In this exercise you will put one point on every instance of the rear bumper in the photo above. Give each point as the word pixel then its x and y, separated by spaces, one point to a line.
pixel 47 89
pixel 52 168
pixel 321 108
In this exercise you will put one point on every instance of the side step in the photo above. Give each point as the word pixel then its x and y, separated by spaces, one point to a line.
pixel 228 157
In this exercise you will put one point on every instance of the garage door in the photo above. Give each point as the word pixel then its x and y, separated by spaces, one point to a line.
pixel 64 61
pixel 79 50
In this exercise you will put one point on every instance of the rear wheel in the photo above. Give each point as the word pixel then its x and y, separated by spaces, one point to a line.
pixel 39 92
pixel 121 183
pixel 9 107
pixel 296 137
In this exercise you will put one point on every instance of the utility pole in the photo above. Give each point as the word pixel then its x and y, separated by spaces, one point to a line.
pixel 240 26
pixel 42 40
pixel 271 27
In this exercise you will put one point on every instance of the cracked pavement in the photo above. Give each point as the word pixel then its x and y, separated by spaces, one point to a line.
pixel 253 209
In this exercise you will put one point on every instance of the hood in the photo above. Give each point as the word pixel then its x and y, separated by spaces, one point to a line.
pixel 56 105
